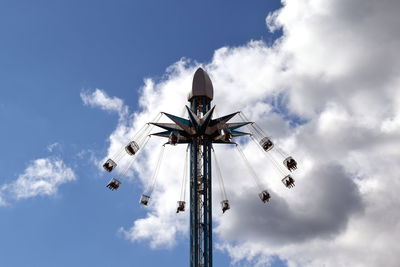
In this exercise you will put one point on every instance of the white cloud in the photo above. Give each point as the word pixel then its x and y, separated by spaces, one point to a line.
pixel 327 91
pixel 98 98
pixel 42 177
pixel 3 202
pixel 53 146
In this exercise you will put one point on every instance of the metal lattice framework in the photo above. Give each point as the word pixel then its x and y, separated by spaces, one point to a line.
pixel 200 131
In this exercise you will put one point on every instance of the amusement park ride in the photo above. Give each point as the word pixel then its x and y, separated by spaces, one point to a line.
pixel 200 131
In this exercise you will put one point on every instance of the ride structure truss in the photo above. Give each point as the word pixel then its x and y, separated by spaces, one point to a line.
pixel 200 131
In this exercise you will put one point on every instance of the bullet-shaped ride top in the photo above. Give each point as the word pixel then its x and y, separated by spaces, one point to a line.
pixel 202 85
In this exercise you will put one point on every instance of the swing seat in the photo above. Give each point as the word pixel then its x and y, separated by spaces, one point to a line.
pixel 144 200
pixel 227 134
pixel 266 144
pixel 225 205
pixel 180 207
pixel 264 196
pixel 132 148
pixel 288 181
pixel 173 138
pixel 113 184
pixel 109 165
pixel 290 163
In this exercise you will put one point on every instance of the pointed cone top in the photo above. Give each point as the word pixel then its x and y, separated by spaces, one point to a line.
pixel 202 85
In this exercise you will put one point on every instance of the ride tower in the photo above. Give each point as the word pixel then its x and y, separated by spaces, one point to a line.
pixel 200 131
pixel 200 176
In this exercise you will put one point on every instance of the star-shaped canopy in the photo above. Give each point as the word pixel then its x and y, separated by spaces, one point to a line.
pixel 215 130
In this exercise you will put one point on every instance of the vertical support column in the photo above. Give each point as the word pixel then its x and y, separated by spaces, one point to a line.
pixel 200 194
pixel 207 213
pixel 194 216
pixel 193 199
pixel 200 199
pixel 205 205
pixel 209 201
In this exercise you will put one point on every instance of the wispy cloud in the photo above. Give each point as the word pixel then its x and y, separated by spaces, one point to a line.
pixel 42 177
pixel 3 202
pixel 99 98
pixel 53 146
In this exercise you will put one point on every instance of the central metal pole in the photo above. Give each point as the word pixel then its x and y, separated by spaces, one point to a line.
pixel 200 193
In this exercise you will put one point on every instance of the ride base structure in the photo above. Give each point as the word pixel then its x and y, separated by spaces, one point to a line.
pixel 199 131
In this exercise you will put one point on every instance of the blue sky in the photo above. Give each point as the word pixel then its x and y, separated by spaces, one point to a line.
pixel 78 78
pixel 51 51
